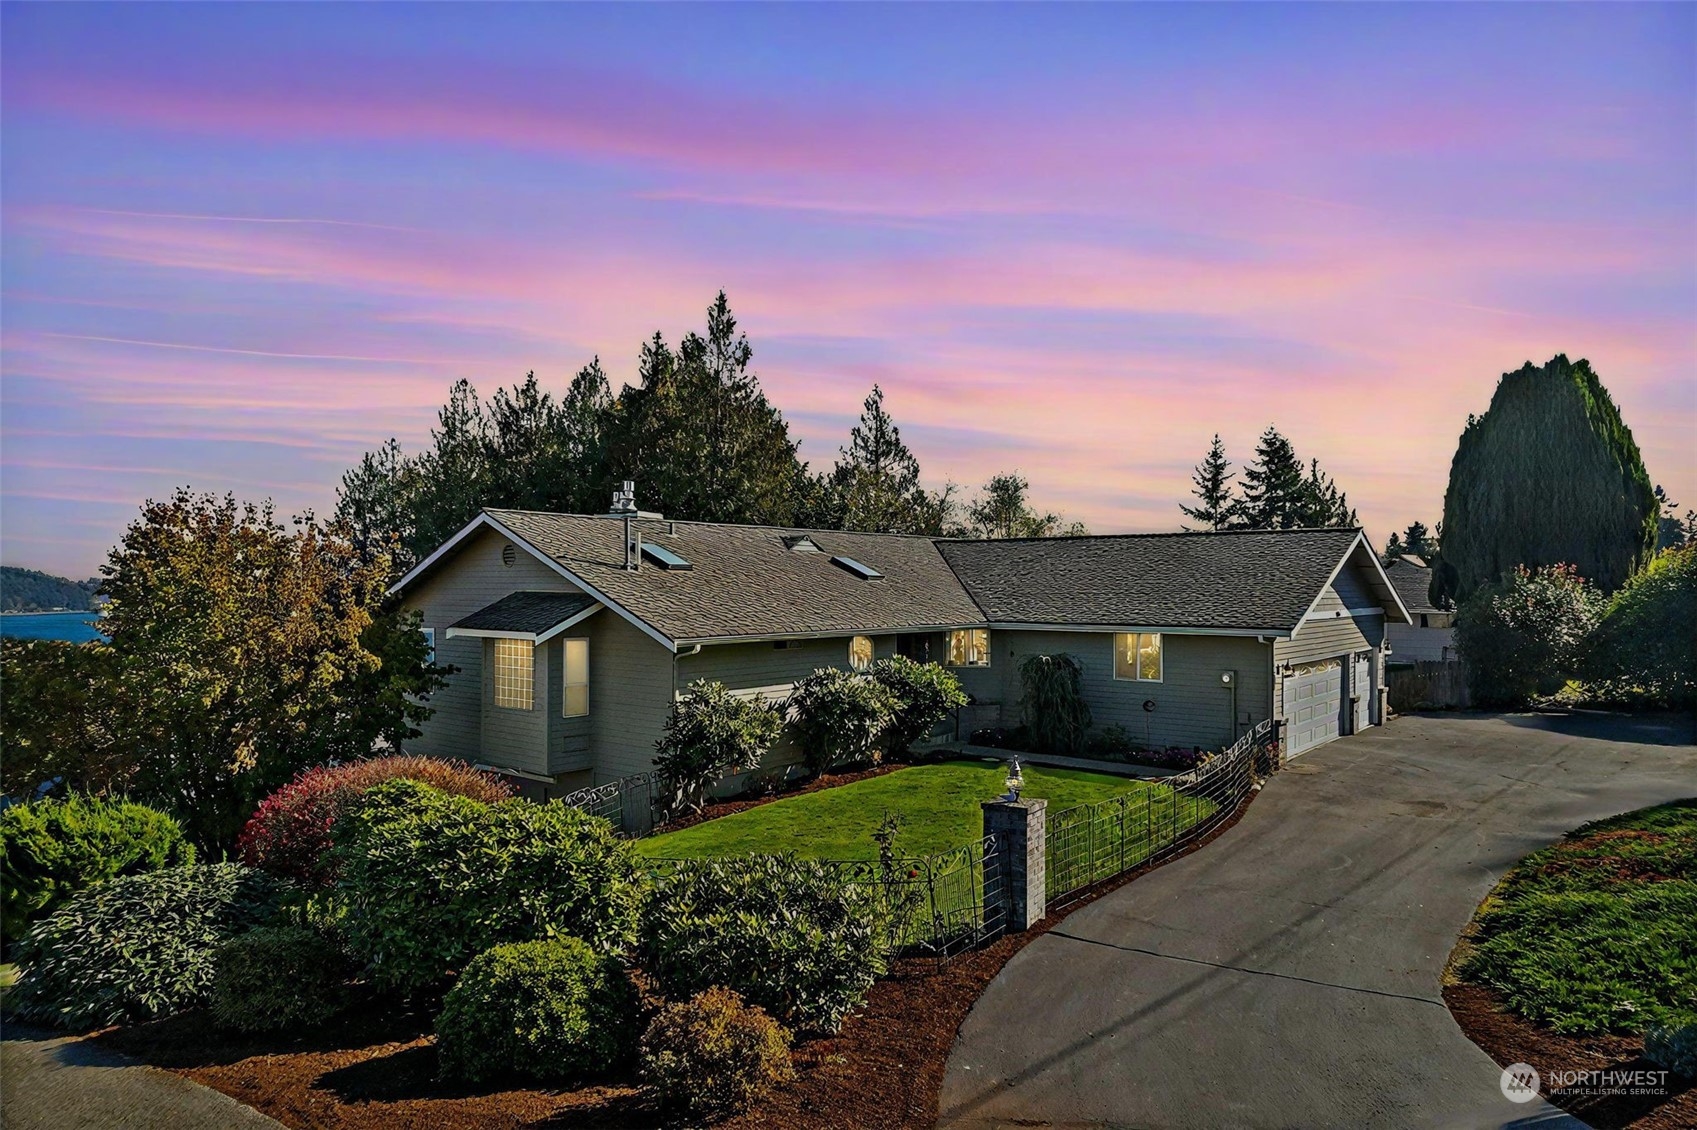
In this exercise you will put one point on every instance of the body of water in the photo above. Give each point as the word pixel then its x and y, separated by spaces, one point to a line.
pixel 77 627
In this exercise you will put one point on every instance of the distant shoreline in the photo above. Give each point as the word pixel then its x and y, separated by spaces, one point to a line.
pixel 57 612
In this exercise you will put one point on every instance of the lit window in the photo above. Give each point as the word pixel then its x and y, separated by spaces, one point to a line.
pixel 515 674
pixel 969 647
pixel 1137 655
pixel 575 701
pixel 429 635
pixel 860 653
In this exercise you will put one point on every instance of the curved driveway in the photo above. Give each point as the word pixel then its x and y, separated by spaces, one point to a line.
pixel 1287 975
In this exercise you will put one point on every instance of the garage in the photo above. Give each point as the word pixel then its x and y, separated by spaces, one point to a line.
pixel 1313 704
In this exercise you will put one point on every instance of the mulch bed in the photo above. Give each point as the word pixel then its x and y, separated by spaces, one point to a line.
pixel 375 1069
pixel 1508 1038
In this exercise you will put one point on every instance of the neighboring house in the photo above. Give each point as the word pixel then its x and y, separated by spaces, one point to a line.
pixel 1431 634
pixel 572 642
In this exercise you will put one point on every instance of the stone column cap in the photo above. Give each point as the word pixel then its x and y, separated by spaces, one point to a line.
pixel 1024 803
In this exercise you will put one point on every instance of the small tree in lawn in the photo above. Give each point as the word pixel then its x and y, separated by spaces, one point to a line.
pixel 1522 636
pixel 710 734
pixel 840 716
pixel 924 694
pixel 1054 707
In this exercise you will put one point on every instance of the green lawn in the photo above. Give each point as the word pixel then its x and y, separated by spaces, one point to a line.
pixel 1597 933
pixel 937 806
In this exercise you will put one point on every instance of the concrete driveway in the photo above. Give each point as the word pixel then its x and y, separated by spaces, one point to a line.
pixel 1287 975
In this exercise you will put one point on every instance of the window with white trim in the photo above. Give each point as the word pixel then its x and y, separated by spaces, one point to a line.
pixel 860 653
pixel 515 674
pixel 969 647
pixel 429 635
pixel 1138 656
pixel 574 699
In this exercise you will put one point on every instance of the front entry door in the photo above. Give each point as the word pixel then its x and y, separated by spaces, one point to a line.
pixel 1361 691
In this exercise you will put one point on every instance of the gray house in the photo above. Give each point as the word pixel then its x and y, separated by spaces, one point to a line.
pixel 574 634
pixel 1430 633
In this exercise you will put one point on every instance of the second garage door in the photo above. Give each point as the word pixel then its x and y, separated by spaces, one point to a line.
pixel 1313 704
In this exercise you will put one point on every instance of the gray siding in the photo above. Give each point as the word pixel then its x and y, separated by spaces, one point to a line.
pixel 630 694
pixel 511 738
pixel 1192 706
pixel 1414 644
pixel 1332 630
pixel 475 579
pixel 568 738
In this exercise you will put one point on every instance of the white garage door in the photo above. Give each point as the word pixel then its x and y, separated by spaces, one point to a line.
pixel 1313 704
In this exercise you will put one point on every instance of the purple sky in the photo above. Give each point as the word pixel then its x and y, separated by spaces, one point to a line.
pixel 244 243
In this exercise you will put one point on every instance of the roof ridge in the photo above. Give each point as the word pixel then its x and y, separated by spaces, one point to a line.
pixel 704 522
pixel 1155 534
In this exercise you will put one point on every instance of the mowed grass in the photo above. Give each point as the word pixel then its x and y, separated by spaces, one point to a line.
pixel 937 805
pixel 1597 933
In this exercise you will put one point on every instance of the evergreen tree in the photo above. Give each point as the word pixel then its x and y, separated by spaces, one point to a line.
pixel 454 475
pixel 1548 475
pixel 586 414
pixel 377 503
pixel 1276 494
pixel 1393 548
pixel 526 454
pixel 876 480
pixel 1417 541
pixel 1670 531
pixel 1212 487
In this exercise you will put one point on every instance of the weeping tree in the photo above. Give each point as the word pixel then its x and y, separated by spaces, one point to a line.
pixel 1053 707
pixel 1548 475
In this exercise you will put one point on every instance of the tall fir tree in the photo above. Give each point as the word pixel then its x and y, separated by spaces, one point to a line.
pixel 1393 548
pixel 1216 505
pixel 586 413
pixel 377 503
pixel 1275 491
pixel 876 480
pixel 1417 540
pixel 453 475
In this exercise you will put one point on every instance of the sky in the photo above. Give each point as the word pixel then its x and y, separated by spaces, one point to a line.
pixel 242 244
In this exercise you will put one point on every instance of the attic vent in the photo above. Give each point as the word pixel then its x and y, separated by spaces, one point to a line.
pixel 801 544
pixel 509 555
pixel 664 557
pixel 864 572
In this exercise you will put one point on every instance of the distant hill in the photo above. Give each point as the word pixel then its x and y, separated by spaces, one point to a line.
pixel 30 590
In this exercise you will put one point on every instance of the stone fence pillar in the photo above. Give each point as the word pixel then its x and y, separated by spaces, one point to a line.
pixel 1018 827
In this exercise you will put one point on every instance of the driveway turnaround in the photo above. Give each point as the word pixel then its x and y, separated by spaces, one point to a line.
pixel 55 1082
pixel 1288 974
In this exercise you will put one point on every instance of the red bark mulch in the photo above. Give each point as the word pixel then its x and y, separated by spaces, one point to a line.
pixel 1508 1038
pixel 376 1070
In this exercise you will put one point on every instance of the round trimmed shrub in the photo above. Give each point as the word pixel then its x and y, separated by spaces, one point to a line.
pixel 1673 1046
pixel 50 849
pixel 791 935
pixel 714 1055
pixel 277 977
pixel 139 946
pixel 839 716
pixel 923 693
pixel 429 881
pixel 289 834
pixel 552 1011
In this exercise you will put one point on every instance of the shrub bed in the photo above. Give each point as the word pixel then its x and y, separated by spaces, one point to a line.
pixel 714 1056
pixel 278 977
pixel 428 880
pixel 51 849
pixel 289 834
pixel 139 946
pixel 788 934
pixel 922 695
pixel 553 1011
pixel 839 717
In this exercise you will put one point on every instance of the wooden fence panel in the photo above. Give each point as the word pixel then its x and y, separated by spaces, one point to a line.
pixel 1428 685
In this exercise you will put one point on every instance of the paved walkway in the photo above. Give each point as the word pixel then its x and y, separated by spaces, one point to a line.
pixel 1288 973
pixel 54 1082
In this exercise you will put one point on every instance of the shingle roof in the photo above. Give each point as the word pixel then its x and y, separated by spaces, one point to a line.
pixel 745 581
pixel 533 612
pixel 1244 580
pixel 1413 583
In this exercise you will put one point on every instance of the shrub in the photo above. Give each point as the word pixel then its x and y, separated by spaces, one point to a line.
pixel 1111 742
pixel 1645 647
pixel 1673 1046
pixel 923 693
pixel 289 834
pixel 431 880
pixel 791 935
pixel 839 716
pixel 1521 636
pixel 553 1011
pixel 276 978
pixel 139 946
pixel 713 1055
pixel 51 849
pixel 709 734
pixel 1003 737
pixel 1053 705
pixel 1173 757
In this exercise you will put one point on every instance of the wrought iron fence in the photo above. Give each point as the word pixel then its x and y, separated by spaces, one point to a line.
pixel 630 804
pixel 936 905
pixel 1091 843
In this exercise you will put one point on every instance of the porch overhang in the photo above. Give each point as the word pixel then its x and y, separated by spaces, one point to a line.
pixel 534 616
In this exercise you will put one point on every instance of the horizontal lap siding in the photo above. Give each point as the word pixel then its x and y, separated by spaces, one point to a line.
pixel 1332 630
pixel 630 695
pixel 1413 644
pixel 475 579
pixel 568 738
pixel 511 738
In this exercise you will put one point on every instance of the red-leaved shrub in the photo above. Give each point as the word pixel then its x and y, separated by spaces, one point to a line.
pixel 289 834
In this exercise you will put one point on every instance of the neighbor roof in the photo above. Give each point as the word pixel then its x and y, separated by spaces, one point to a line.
pixel 1413 583
pixel 745 581
pixel 531 612
pixel 1263 580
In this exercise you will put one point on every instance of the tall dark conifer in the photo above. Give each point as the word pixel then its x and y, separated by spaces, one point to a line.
pixel 1212 485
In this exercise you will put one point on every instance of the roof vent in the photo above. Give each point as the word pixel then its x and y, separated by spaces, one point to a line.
pixel 664 557
pixel 864 572
pixel 509 555
pixel 801 543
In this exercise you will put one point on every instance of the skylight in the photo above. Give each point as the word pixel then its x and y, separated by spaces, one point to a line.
pixel 664 557
pixel 864 572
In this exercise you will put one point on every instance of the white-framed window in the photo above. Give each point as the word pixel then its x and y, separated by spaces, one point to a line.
pixel 969 647
pixel 515 674
pixel 574 699
pixel 429 635
pixel 860 653
pixel 1138 656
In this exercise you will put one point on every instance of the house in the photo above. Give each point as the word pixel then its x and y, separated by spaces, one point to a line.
pixel 1430 636
pixel 573 634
